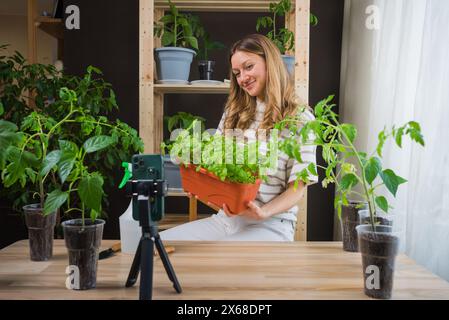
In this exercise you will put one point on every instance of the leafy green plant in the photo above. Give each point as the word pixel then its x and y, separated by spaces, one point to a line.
pixel 345 165
pixel 176 29
pixel 205 44
pixel 44 154
pixel 182 120
pixel 203 151
pixel 283 38
pixel 27 88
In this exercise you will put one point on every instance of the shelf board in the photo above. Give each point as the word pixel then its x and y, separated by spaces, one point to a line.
pixel 187 88
pixel 217 5
pixel 48 20
pixel 51 26
pixel 174 192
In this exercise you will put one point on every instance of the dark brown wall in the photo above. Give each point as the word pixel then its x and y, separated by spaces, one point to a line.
pixel 108 38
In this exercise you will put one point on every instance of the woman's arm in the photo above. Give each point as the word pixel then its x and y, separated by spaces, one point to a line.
pixel 281 203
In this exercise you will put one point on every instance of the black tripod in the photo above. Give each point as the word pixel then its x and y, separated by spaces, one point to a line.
pixel 143 260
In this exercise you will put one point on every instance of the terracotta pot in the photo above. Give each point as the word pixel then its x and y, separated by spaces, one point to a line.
pixel 209 188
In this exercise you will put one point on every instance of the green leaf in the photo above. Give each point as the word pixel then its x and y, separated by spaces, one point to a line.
pixel 91 69
pixel 8 137
pixel 167 39
pixel 390 180
pixel 350 131
pixel 193 42
pixel 65 165
pixel 67 95
pixel 93 214
pixel 372 169
pixel 382 138
pixel 54 201
pixel 97 143
pixel 312 169
pixel 382 203
pixel 90 190
pixel 50 161
pixel 348 181
pixel 398 137
pixel 168 18
pixel 68 146
pixel 2 109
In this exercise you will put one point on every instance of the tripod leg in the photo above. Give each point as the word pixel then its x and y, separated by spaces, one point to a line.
pixel 146 269
pixel 135 267
pixel 166 262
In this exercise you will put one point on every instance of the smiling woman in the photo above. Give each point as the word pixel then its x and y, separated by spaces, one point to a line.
pixel 261 94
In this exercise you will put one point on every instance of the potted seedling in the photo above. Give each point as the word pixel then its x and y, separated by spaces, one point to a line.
pixel 350 219
pixel 283 38
pixel 175 123
pixel 174 58
pixel 348 167
pixel 205 65
pixel 219 170
pixel 205 46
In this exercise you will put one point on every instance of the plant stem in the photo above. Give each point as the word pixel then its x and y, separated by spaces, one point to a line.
pixel 175 36
pixel 371 205
pixel 82 214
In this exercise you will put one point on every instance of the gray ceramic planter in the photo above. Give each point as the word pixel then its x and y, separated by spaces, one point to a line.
pixel 173 63
pixel 289 63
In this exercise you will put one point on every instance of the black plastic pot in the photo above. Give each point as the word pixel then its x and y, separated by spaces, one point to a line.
pixel 40 232
pixel 206 69
pixel 349 221
pixel 82 245
pixel 379 250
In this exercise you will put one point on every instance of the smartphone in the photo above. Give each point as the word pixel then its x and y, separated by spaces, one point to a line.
pixel 149 167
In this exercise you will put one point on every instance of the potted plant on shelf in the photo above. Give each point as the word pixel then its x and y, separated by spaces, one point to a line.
pixel 174 58
pixel 230 177
pixel 283 38
pixel 205 46
pixel 377 242
pixel 178 121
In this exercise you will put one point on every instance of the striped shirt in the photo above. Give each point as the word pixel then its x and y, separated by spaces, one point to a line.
pixel 277 182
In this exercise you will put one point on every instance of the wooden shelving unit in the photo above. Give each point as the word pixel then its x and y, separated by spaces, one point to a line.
pixel 51 26
pixel 151 95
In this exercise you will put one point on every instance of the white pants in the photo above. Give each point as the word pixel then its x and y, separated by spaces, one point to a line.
pixel 221 227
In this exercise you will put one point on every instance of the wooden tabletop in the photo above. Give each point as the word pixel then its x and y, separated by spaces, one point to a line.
pixel 219 270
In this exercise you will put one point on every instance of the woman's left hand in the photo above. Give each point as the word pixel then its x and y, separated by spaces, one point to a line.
pixel 253 212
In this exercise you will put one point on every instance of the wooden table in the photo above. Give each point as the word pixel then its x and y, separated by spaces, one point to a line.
pixel 219 270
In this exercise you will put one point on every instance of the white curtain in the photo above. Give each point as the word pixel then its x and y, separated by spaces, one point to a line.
pixel 390 75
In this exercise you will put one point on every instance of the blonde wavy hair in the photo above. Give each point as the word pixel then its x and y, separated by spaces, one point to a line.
pixel 280 97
